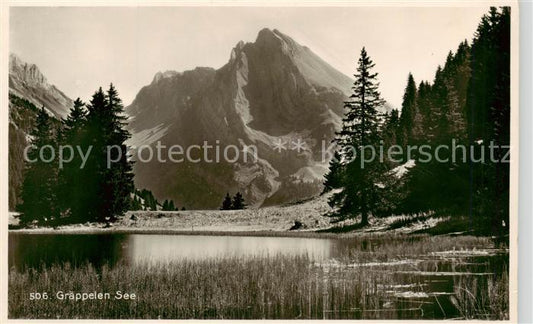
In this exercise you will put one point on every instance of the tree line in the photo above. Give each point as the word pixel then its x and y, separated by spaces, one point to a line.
pixel 98 190
pixel 468 101
pixel 145 200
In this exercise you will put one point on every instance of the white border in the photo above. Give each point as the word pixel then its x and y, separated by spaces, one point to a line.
pixel 4 58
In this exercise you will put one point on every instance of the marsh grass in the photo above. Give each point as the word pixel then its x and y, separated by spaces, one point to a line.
pixel 275 286
pixel 485 297
pixel 278 287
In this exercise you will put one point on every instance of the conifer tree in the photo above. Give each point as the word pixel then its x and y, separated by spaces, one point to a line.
pixel 39 196
pixel 168 205
pixel 93 177
pixel 405 136
pixel 119 174
pixel 72 190
pixel 136 203
pixel 390 129
pixel 227 203
pixel 109 183
pixel 238 201
pixel 360 193
pixel 333 179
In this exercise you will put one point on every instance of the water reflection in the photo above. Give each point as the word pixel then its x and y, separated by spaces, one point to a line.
pixel 34 251
pixel 27 250
pixel 160 248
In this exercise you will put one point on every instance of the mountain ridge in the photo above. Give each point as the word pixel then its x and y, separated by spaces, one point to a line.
pixel 28 82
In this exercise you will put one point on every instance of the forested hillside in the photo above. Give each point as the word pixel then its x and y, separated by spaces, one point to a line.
pixel 462 117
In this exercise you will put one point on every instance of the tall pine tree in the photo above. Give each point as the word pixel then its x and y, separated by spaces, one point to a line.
pixel 109 178
pixel 39 189
pixel 119 175
pixel 405 134
pixel 360 186
pixel 72 191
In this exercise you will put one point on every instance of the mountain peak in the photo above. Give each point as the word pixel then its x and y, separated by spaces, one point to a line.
pixel 265 32
pixel 315 70
pixel 164 75
pixel 236 50
pixel 271 88
pixel 273 36
pixel 27 81
pixel 14 60
pixel 30 73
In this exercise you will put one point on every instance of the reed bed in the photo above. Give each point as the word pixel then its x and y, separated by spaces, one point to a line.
pixel 280 287
pixel 358 284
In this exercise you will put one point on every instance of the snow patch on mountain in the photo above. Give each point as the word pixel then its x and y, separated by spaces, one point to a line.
pixel 164 75
pixel 242 105
pixel 331 117
pixel 311 173
pixel 148 136
pixel 401 170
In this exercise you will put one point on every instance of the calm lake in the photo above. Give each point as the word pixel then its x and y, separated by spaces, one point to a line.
pixel 419 282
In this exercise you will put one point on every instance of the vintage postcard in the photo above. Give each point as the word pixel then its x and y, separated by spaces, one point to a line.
pixel 225 160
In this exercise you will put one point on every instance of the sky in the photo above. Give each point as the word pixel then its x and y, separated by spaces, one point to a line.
pixel 80 49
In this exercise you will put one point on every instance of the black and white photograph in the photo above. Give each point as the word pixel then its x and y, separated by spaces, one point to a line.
pixel 267 161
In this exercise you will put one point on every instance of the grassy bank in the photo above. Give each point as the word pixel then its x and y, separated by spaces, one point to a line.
pixel 384 278
pixel 268 221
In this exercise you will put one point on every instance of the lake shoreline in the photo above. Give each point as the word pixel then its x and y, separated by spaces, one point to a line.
pixel 301 220
pixel 162 231
pixel 158 231
pixel 89 230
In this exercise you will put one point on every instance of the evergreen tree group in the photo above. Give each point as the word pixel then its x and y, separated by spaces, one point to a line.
pixel 145 200
pixel 74 192
pixel 168 205
pixel 468 102
pixel 233 204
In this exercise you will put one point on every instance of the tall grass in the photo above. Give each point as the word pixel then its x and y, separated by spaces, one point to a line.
pixel 275 287
pixel 483 297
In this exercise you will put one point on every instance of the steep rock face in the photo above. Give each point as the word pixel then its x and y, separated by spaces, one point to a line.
pixel 26 81
pixel 169 97
pixel 271 91
pixel 289 86
pixel 22 116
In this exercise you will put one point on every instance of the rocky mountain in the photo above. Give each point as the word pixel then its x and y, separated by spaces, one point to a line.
pixel 274 94
pixel 28 91
pixel 26 81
